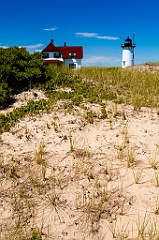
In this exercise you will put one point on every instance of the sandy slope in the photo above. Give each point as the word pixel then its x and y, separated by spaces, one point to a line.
pixel 91 180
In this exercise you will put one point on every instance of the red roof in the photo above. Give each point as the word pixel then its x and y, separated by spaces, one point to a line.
pixel 65 50
pixel 50 48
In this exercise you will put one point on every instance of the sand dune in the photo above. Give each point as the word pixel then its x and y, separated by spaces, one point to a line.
pixel 77 180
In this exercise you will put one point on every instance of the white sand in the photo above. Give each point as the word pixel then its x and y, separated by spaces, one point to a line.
pixel 97 166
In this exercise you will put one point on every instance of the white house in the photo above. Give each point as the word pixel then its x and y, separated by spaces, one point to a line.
pixel 128 53
pixel 70 56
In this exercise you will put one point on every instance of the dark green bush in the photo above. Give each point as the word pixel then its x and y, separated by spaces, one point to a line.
pixel 5 95
pixel 19 71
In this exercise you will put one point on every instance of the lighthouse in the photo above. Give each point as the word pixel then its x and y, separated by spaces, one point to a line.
pixel 128 52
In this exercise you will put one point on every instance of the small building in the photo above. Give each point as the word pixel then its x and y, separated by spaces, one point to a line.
pixel 69 56
pixel 128 53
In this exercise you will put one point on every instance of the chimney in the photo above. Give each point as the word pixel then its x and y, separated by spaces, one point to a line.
pixel 64 44
pixel 52 41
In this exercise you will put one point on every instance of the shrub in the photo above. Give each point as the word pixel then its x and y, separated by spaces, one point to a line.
pixel 19 71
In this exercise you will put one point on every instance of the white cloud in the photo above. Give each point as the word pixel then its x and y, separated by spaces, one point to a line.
pixel 108 38
pixel 30 48
pixel 50 29
pixel 90 35
pixel 3 46
pixel 100 61
pixel 34 47
pixel 95 35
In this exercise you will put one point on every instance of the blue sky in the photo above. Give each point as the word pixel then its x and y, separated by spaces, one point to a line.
pixel 100 26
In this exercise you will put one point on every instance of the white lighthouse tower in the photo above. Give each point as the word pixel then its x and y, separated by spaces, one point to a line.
pixel 128 52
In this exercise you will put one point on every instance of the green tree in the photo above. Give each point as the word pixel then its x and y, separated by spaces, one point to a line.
pixel 19 71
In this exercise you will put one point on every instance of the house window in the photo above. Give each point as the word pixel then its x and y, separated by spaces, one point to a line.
pixel 72 66
pixel 72 54
pixel 57 55
pixel 124 63
pixel 45 55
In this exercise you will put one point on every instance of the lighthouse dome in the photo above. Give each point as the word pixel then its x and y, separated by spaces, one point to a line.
pixel 128 40
pixel 128 43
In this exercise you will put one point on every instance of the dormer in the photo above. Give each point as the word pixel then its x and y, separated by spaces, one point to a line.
pixel 72 54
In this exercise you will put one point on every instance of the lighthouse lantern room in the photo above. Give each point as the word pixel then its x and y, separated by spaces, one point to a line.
pixel 128 52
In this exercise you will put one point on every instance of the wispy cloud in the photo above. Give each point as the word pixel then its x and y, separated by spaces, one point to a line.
pixel 50 29
pixel 30 48
pixel 95 35
pixel 100 61
pixel 34 47
pixel 3 46
pixel 84 34
pixel 108 38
